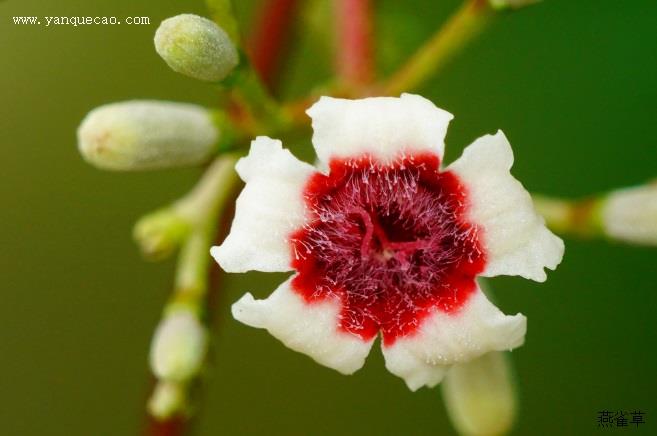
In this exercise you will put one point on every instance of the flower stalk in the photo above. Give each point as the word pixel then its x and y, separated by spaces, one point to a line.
pixel 159 233
pixel 627 215
pixel 468 22
pixel 355 56
pixel 206 200
pixel 221 12
pixel 254 106
pixel 579 218
pixel 177 362
pixel 267 44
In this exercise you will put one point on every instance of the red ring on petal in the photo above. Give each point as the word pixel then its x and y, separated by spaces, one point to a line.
pixel 390 241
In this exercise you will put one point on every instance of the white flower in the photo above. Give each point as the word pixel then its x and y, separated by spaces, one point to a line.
pixel 384 240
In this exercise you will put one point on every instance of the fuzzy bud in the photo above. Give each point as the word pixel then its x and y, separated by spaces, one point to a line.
pixel 196 47
pixel 178 347
pixel 158 234
pixel 480 396
pixel 141 135
pixel 630 214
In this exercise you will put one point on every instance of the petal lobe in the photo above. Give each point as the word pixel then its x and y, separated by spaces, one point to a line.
pixel 309 328
pixel 515 236
pixel 268 209
pixel 383 127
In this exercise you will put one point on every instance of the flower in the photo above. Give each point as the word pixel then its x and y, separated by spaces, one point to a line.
pixel 384 240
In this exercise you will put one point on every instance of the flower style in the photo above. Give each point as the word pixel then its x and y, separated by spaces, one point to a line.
pixel 384 240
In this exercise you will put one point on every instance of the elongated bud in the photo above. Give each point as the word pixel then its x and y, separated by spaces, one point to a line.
pixel 480 396
pixel 178 347
pixel 630 214
pixel 196 47
pixel 141 135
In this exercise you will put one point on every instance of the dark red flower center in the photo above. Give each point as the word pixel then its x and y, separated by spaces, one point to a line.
pixel 390 241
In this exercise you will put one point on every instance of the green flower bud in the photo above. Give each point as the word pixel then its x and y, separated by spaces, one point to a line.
pixel 158 234
pixel 480 396
pixel 178 347
pixel 167 400
pixel 196 47
pixel 140 135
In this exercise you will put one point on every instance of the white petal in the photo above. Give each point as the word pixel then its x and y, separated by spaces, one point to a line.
pixel 383 127
pixel 514 234
pixel 270 207
pixel 309 328
pixel 446 339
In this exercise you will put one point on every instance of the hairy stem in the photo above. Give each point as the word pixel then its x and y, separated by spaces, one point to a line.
pixel 206 199
pixel 570 217
pixel 270 35
pixel 256 108
pixel 354 55
pixel 462 27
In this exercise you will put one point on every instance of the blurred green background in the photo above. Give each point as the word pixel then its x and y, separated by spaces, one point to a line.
pixel 572 83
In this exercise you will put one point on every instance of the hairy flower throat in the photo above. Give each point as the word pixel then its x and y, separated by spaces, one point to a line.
pixel 390 241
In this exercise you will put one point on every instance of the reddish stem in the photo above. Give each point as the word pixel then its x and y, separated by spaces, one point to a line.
pixel 169 427
pixel 273 27
pixel 354 56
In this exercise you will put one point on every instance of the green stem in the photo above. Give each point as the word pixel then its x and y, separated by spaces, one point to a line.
pixel 627 215
pixel 203 206
pixel 467 23
pixel 161 232
pixel 256 111
pixel 571 217
pixel 204 203
pixel 221 12
pixel 556 211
